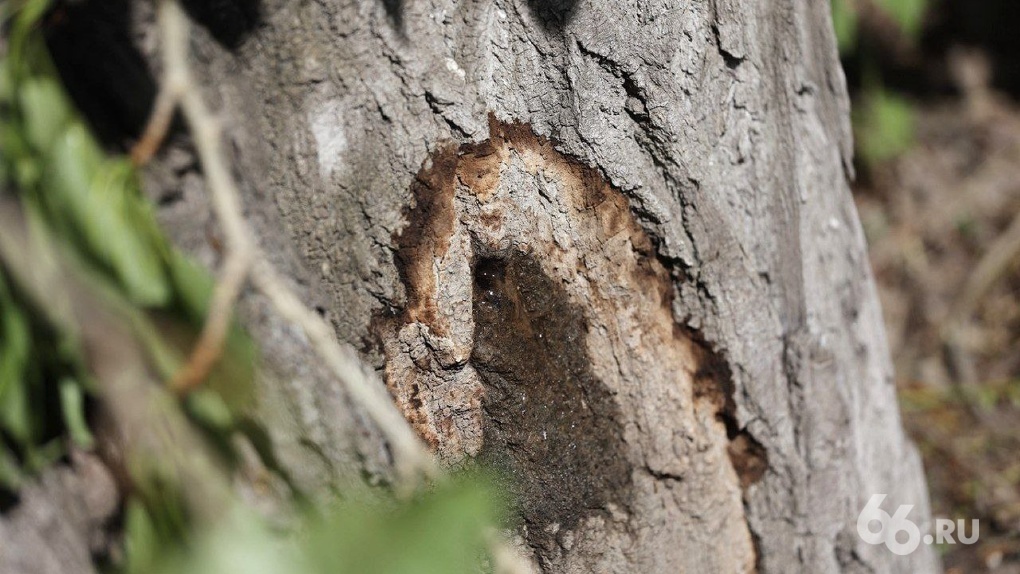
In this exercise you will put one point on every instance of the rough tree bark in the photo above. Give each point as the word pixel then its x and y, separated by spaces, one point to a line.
pixel 608 247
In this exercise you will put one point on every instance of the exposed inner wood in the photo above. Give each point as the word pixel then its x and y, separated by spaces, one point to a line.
pixel 539 337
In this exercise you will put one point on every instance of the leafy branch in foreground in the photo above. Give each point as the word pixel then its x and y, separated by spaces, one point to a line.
pixel 99 310
pixel 83 207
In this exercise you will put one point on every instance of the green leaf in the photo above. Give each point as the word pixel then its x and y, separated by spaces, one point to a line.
pixel 71 160
pixel 241 544
pixel 94 195
pixel 11 475
pixel 210 409
pixel 6 85
pixel 442 533
pixel 141 542
pixel 45 111
pixel 40 456
pixel 72 403
pixel 29 13
pixel 232 376
pixel 138 260
pixel 17 416
pixel 192 284
pixel 15 341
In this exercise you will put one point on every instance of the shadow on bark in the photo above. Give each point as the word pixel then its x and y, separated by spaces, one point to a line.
pixel 106 75
pixel 395 10
pixel 550 424
pixel 230 22
pixel 552 15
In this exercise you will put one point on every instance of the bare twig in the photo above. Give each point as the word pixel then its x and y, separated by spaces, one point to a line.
pixel 176 79
pixel 179 87
pixel 159 122
pixel 210 343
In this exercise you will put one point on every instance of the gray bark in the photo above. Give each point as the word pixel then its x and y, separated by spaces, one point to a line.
pixel 633 214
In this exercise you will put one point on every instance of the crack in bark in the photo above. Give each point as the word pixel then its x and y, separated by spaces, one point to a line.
pixel 437 108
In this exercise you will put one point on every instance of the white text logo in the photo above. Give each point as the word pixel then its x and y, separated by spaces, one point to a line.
pixel 901 535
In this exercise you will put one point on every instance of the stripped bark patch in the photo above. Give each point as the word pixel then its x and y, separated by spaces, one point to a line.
pixel 539 336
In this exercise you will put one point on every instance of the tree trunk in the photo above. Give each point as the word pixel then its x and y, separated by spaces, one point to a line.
pixel 605 247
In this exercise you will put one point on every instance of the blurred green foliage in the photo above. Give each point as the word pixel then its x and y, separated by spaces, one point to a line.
pixel 884 121
pixel 884 125
pixel 908 14
pixel 88 205
pixel 442 531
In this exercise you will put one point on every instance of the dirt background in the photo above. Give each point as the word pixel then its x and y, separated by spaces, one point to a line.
pixel 931 216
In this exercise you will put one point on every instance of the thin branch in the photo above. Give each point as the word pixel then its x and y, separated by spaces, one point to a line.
pixel 179 87
pixel 176 81
pixel 209 347
pixel 159 123
pixel 410 456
